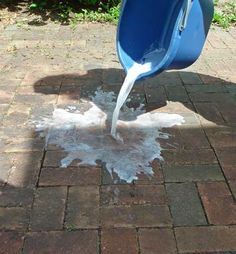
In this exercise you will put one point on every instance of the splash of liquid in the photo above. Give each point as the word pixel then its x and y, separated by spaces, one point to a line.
pixel 149 59
pixel 83 132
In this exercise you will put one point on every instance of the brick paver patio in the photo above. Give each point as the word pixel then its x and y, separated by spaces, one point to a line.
pixel 188 206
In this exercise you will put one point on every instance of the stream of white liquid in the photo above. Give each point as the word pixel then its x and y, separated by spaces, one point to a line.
pixel 83 131
pixel 148 60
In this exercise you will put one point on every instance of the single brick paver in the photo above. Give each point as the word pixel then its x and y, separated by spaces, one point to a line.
pixel 12 197
pixel 226 155
pixel 154 241
pixel 25 169
pixel 83 207
pixel 185 204
pixel 11 242
pixel 232 185
pixel 84 242
pixel 14 218
pixel 218 202
pixel 189 173
pixel 206 239
pixel 48 208
pixel 120 241
pixel 133 194
pixel 70 176
pixel 222 137
pixel 189 157
pixel 135 216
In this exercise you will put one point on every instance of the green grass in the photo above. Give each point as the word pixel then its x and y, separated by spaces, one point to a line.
pixel 74 11
pixel 111 15
pixel 225 16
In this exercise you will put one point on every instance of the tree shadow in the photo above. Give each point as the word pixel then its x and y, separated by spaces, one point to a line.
pixel 59 11
pixel 187 88
pixel 190 94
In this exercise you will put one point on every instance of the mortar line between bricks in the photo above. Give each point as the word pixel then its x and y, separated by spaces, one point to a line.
pixel 99 217
pixel 172 218
pixel 214 151
pixel 41 166
pixel 176 243
pixel 35 188
pixel 201 202
pixel 197 181
pixel 99 240
pixel 12 100
pixel 23 245
pixel 59 91
pixel 65 208
pixel 226 180
pixel 138 240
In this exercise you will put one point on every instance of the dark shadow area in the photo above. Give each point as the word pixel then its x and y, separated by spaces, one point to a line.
pixel 188 88
pixel 59 11
pixel 33 166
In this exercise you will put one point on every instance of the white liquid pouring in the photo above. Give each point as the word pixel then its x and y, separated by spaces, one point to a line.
pixel 148 60
pixel 83 134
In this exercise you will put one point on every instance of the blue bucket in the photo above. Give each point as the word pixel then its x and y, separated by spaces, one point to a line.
pixel 177 28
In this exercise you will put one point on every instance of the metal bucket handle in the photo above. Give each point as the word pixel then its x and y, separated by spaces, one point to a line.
pixel 186 12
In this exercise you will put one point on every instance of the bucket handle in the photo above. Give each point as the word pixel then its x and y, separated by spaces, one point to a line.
pixel 186 12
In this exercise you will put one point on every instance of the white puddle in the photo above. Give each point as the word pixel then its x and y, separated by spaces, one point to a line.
pixel 84 133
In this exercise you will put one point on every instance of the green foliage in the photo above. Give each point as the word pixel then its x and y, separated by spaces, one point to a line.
pixel 226 15
pixel 73 11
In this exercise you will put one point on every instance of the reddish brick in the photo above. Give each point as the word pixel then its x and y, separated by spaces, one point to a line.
pixel 120 241
pixel 185 157
pixel 6 166
pixel 53 159
pixel 82 242
pixel 176 93
pixel 193 138
pixel 226 155
pixel 184 138
pixel 191 173
pixel 232 185
pixel 222 136
pixel 227 111
pixel 135 216
pixel 5 96
pixel 185 204
pixel 154 241
pixel 25 169
pixel 133 194
pixel 70 176
pixel 11 242
pixel 209 112
pixel 10 196
pixel 218 203
pixel 155 95
pixel 14 218
pixel 48 208
pixel 83 207
pixel 230 171
pixel 190 78
pixel 210 97
pixel 206 239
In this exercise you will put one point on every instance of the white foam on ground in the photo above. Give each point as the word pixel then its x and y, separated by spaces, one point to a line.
pixel 84 133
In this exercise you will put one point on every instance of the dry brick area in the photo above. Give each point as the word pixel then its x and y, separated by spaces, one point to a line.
pixel 188 206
